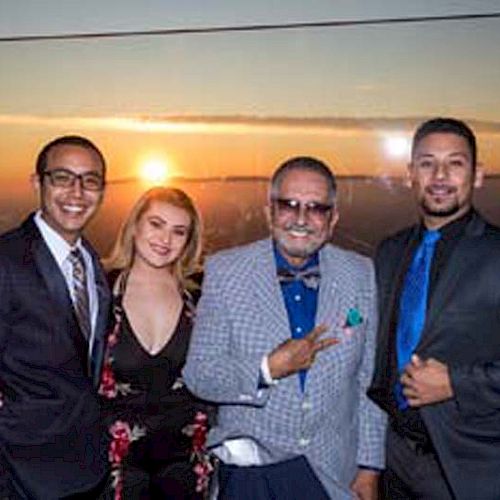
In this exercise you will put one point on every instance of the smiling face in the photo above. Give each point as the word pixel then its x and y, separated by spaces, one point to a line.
pixel 443 178
pixel 69 209
pixel 301 216
pixel 161 234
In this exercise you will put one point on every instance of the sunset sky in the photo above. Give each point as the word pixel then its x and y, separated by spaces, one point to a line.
pixel 239 103
pixel 242 101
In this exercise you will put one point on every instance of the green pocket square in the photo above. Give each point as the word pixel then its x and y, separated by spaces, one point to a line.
pixel 354 317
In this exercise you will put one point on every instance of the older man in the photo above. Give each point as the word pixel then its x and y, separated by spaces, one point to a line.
pixel 284 342
pixel 53 313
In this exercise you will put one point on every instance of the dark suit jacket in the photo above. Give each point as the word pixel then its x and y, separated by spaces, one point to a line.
pixel 462 329
pixel 51 441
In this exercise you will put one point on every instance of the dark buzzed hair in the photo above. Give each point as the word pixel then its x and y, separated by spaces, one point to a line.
pixel 67 140
pixel 446 126
pixel 308 164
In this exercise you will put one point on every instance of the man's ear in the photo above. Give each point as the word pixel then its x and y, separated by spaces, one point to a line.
pixel 268 214
pixel 334 219
pixel 409 174
pixel 36 183
pixel 479 175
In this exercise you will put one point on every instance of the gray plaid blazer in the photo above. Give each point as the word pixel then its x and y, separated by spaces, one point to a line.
pixel 242 316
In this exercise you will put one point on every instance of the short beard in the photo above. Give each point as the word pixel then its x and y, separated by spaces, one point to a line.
pixel 440 212
pixel 303 253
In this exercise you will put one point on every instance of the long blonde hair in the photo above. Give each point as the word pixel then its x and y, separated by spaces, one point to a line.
pixel 122 254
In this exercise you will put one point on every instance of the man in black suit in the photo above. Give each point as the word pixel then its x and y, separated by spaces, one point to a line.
pixel 442 387
pixel 53 314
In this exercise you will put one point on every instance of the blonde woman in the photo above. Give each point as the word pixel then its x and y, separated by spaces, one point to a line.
pixel 156 425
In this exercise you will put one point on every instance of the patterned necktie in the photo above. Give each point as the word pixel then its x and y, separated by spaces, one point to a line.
pixel 413 306
pixel 80 292
pixel 310 276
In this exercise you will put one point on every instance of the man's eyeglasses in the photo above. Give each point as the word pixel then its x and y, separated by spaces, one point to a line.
pixel 289 207
pixel 63 178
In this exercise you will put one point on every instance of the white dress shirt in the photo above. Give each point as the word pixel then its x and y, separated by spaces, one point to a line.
pixel 244 451
pixel 60 250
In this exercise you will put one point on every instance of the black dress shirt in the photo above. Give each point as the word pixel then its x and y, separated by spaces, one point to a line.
pixel 409 423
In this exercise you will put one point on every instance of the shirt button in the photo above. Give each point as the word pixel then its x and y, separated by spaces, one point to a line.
pixel 306 405
pixel 297 298
pixel 298 329
pixel 303 441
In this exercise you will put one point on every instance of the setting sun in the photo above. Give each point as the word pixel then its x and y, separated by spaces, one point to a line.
pixel 155 171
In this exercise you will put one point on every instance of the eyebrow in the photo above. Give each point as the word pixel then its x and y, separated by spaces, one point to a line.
pixel 68 169
pixel 459 153
pixel 431 155
pixel 165 221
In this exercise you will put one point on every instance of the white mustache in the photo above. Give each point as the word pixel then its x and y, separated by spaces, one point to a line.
pixel 299 228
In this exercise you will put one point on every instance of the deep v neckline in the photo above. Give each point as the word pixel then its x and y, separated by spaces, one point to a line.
pixel 136 338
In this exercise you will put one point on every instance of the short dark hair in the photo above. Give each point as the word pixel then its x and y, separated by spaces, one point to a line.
pixel 446 126
pixel 308 164
pixel 67 140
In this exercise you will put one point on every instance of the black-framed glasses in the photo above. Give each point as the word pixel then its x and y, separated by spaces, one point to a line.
pixel 291 207
pixel 64 178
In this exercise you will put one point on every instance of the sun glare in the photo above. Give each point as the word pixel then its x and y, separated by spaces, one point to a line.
pixel 155 171
pixel 397 146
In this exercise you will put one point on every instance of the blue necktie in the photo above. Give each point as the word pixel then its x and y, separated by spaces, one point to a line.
pixel 413 306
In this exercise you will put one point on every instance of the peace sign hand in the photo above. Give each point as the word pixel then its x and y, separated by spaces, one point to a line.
pixel 294 355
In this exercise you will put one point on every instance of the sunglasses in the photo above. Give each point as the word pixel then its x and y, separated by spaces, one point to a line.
pixel 290 207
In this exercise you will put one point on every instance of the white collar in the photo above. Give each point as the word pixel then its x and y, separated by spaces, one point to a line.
pixel 58 246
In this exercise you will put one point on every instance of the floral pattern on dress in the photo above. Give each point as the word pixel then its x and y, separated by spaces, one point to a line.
pixel 122 434
pixel 200 457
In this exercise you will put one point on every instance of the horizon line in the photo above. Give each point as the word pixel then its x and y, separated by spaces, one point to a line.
pixel 258 178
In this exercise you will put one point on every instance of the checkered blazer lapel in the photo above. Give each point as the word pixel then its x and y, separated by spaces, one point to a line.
pixel 267 292
pixel 329 301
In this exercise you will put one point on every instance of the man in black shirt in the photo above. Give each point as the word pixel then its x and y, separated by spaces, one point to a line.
pixel 437 373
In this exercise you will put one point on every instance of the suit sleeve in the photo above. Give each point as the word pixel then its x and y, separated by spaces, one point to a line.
pixel 476 388
pixel 4 333
pixel 4 305
pixel 213 370
pixel 372 420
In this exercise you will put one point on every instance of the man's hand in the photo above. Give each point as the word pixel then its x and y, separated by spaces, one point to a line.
pixel 426 382
pixel 298 354
pixel 365 485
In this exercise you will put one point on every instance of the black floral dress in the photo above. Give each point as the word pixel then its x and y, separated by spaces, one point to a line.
pixel 157 426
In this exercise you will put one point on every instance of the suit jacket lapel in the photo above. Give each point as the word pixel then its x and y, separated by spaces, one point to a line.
pixel 329 302
pixel 57 288
pixel 397 276
pixel 446 286
pixel 391 274
pixel 103 314
pixel 48 269
pixel 267 291
pixel 53 278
